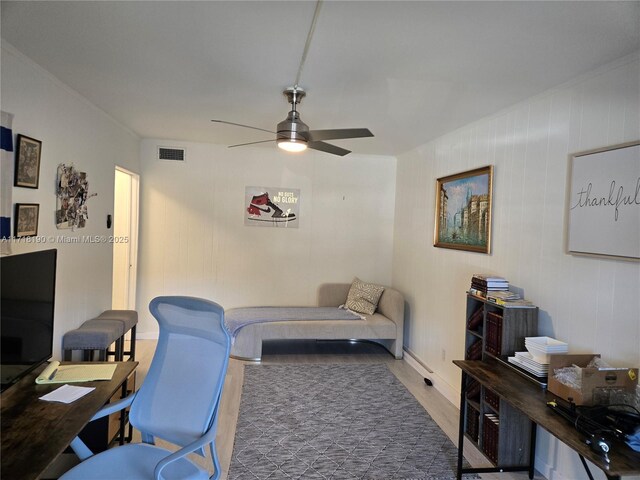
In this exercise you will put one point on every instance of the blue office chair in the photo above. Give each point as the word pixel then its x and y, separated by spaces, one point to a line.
pixel 178 401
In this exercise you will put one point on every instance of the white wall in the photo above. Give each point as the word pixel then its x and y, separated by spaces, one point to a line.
pixel 193 240
pixel 592 303
pixel 72 131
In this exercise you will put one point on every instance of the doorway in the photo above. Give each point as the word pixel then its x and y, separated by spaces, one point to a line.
pixel 125 236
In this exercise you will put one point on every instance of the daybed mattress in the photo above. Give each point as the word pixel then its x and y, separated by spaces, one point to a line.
pixel 385 326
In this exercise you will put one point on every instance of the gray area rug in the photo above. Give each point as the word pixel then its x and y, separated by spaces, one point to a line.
pixel 339 422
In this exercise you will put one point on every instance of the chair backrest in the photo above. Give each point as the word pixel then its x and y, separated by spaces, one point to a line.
pixel 179 397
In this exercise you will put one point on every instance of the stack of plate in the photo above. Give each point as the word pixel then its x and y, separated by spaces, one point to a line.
pixel 536 360
pixel 526 361
pixel 541 347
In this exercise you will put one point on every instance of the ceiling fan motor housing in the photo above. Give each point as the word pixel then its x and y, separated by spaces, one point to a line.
pixel 293 129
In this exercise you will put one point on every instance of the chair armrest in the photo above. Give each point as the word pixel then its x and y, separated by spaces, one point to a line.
pixel 78 446
pixel 114 407
pixel 201 442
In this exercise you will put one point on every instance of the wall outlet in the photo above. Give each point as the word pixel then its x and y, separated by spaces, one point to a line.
pixel 444 354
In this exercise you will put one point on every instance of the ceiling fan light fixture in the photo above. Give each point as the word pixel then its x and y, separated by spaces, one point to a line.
pixel 292 132
pixel 292 145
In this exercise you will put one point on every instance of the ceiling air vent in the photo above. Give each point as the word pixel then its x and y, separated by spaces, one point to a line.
pixel 171 153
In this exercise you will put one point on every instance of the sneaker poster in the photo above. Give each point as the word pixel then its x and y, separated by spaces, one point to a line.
pixel 271 207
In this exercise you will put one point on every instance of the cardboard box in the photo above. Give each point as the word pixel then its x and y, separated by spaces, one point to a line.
pixel 595 382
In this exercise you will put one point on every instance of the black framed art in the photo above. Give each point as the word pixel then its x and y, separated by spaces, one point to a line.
pixel 27 171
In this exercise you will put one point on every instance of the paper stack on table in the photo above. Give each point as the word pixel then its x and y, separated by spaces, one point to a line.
pixel 77 372
pixel 67 394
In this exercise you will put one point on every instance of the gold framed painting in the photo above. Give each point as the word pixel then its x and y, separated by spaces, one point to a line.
pixel 463 210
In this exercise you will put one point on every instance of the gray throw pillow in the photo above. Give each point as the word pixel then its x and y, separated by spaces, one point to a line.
pixel 363 297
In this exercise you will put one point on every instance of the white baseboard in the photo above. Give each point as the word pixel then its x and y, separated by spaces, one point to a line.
pixel 449 392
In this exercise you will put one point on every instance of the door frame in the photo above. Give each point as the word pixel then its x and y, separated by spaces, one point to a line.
pixel 134 209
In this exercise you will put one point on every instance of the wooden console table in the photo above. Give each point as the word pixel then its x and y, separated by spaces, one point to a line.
pixel 530 400
pixel 35 432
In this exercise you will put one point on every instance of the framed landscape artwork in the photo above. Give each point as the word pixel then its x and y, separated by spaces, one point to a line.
pixel 27 219
pixel 463 211
pixel 27 172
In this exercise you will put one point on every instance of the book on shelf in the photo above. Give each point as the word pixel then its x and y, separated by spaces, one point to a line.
pixel 474 352
pixel 493 333
pixel 484 282
pixel 477 293
pixel 504 295
pixel 475 319
pixel 495 289
pixel 512 303
pixel 488 278
pixel 489 287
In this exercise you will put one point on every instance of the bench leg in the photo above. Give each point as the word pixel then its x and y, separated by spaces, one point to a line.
pixel 396 349
pixel 132 344
pixel 119 349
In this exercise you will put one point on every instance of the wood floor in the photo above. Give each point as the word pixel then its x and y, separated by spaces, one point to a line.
pixel 441 410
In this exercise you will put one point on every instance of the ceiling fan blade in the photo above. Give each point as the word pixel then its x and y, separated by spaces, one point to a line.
pixel 250 143
pixel 335 134
pixel 327 147
pixel 241 125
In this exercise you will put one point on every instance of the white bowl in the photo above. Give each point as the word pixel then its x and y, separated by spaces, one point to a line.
pixel 542 358
pixel 541 353
pixel 541 347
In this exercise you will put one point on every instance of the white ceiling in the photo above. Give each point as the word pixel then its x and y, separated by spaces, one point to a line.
pixel 409 71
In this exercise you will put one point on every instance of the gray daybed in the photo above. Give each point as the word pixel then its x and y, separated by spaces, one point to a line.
pixel 385 326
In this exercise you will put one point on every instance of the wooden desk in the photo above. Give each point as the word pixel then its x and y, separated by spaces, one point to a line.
pixel 34 432
pixel 530 399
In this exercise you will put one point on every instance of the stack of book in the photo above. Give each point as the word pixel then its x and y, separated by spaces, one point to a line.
pixel 502 296
pixel 482 284
pixel 496 290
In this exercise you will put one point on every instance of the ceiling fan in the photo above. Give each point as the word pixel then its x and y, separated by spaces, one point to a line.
pixel 293 135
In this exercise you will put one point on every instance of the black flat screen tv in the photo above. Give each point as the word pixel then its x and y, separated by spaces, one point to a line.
pixel 28 284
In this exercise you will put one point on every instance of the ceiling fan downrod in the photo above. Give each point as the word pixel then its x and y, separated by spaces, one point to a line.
pixel 294 95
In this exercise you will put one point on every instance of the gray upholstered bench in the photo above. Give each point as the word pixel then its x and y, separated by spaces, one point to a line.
pixel 100 333
pixel 129 319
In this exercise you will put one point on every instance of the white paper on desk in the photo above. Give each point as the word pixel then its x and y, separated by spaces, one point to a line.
pixel 67 394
